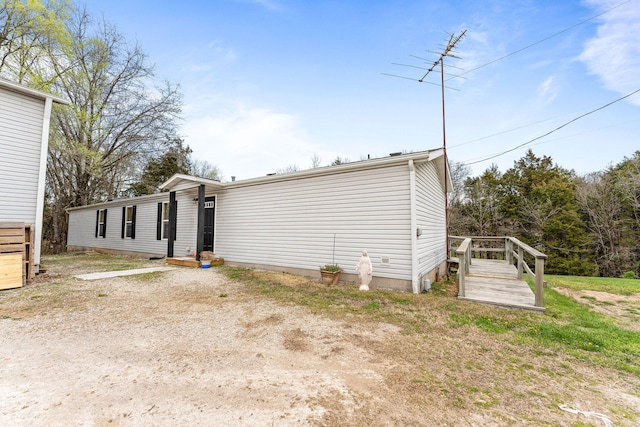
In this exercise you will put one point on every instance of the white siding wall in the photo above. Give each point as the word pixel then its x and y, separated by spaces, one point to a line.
pixel 21 119
pixel 82 225
pixel 292 223
pixel 430 215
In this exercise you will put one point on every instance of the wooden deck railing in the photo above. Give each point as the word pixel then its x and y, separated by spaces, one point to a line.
pixel 464 261
pixel 508 249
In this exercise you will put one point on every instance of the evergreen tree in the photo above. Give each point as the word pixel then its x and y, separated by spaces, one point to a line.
pixel 539 206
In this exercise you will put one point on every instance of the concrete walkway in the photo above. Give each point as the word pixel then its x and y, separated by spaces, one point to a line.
pixel 109 274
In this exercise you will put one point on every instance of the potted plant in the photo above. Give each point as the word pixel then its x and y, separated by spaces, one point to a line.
pixel 330 274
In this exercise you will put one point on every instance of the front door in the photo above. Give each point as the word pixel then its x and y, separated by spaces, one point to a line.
pixel 209 222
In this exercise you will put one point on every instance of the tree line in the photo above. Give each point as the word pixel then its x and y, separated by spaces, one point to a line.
pixel 587 225
pixel 119 137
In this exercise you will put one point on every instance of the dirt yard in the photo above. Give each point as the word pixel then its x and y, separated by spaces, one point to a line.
pixel 191 347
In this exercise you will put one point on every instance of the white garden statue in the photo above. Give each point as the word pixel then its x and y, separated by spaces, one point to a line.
pixel 364 270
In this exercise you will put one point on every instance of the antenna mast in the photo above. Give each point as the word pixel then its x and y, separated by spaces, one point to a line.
pixel 446 52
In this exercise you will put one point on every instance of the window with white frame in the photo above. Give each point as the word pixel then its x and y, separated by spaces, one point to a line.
pixel 128 222
pixel 102 223
pixel 165 220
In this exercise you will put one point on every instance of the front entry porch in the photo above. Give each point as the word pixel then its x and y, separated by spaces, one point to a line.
pixel 184 261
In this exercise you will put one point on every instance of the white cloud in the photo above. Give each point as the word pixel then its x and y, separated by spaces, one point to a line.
pixel 222 51
pixel 203 58
pixel 248 142
pixel 547 90
pixel 614 53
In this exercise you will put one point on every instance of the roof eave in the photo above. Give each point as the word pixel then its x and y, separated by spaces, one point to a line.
pixel 418 157
pixel 182 181
pixel 192 181
pixel 15 87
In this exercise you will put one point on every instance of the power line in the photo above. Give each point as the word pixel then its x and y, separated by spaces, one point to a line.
pixel 501 133
pixel 520 127
pixel 542 40
pixel 553 130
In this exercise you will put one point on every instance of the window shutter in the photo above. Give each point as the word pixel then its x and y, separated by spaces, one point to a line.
pixel 104 226
pixel 97 221
pixel 173 221
pixel 175 228
pixel 124 212
pixel 133 222
pixel 159 223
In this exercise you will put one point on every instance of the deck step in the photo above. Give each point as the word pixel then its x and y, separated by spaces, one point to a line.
pixel 505 304
pixel 189 261
pixel 184 261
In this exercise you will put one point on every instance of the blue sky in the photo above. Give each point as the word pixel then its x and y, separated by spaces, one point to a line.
pixel 268 83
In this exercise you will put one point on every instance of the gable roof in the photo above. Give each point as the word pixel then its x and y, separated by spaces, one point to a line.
pixel 15 87
pixel 181 181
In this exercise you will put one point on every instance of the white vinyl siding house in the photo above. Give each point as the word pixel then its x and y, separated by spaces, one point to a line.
pixel 24 136
pixel 293 224
pixel 145 240
pixel 430 200
pixel 290 222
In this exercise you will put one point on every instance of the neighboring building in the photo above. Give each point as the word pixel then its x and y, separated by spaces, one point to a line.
pixel 393 207
pixel 24 140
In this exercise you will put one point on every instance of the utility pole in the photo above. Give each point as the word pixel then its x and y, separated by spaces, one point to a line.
pixel 447 52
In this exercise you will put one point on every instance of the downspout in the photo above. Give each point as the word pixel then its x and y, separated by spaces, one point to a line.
pixel 42 175
pixel 415 285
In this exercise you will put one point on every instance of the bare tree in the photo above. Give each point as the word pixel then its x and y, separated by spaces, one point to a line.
pixel 610 200
pixel 288 169
pixel 459 173
pixel 598 199
pixel 339 161
pixel 204 169
pixel 28 32
pixel 315 161
pixel 116 121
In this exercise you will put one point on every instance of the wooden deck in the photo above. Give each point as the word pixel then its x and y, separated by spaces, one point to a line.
pixel 496 282
pixel 189 261
pixel 184 261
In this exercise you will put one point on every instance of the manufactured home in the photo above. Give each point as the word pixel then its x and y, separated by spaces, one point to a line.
pixel 392 207
pixel 24 139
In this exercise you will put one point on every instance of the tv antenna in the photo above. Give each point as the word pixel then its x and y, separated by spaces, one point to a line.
pixel 446 52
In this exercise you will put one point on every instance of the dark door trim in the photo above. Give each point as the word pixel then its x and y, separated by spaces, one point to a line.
pixel 173 216
pixel 209 228
pixel 200 236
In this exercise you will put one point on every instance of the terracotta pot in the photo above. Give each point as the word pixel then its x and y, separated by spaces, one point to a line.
pixel 330 277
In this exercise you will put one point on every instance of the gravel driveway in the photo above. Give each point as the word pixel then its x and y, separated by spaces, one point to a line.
pixel 184 347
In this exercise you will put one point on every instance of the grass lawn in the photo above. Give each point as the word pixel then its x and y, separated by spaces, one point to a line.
pixel 601 284
pixel 500 345
pixel 567 326
pixel 95 262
